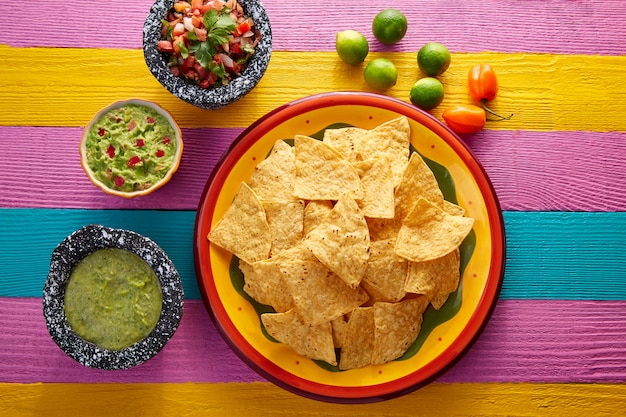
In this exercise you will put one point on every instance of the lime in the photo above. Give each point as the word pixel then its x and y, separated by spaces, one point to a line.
pixel 389 26
pixel 380 74
pixel 433 59
pixel 351 46
pixel 427 93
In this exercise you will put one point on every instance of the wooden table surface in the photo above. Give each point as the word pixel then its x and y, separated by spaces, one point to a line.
pixel 556 343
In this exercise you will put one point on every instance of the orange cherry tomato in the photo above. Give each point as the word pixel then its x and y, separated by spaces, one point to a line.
pixel 465 118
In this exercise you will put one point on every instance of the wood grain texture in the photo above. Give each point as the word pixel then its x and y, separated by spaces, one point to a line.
pixel 546 92
pixel 550 255
pixel 534 171
pixel 581 27
pixel 43 170
pixel 539 341
pixel 264 399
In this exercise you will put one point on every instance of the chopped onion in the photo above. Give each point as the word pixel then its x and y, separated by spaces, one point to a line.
pixel 188 24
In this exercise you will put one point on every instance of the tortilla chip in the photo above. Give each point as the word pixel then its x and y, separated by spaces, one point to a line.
pixel 346 141
pixel 417 181
pixel 314 213
pixel 264 282
pixel 396 328
pixel 341 241
pixel 429 233
pixel 386 272
pixel 286 220
pixel 339 326
pixel 272 179
pixel 358 343
pixel 298 252
pixel 435 279
pixel 322 173
pixel 453 209
pixel 383 229
pixel 243 230
pixel 319 295
pixel 377 182
pixel 311 341
pixel 391 140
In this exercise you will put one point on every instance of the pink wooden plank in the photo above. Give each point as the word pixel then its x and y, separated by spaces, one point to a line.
pixel 534 171
pixel 560 26
pixel 525 341
pixel 52 177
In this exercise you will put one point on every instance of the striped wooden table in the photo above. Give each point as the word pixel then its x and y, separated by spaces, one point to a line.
pixel 556 343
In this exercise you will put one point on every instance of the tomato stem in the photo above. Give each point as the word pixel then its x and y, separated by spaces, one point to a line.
pixel 488 110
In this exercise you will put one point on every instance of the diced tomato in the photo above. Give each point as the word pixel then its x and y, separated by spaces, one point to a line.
pixel 200 70
pixel 150 119
pixel 197 4
pixel 166 140
pixel 243 27
pixel 218 4
pixel 132 125
pixel 201 34
pixel 189 62
pixel 134 161
pixel 160 153
pixel 197 21
pixel 119 181
pixel 140 143
pixel 235 48
pixel 111 151
pixel 101 131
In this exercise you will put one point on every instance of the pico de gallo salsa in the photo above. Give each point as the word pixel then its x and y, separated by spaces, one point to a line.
pixel 208 42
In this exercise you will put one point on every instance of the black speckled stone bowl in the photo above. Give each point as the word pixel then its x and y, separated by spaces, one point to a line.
pixel 212 98
pixel 68 254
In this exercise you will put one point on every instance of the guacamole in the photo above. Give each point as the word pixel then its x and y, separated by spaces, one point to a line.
pixel 113 298
pixel 130 148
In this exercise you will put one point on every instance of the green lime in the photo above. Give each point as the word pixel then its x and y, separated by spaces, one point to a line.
pixel 389 26
pixel 351 46
pixel 433 59
pixel 381 74
pixel 427 93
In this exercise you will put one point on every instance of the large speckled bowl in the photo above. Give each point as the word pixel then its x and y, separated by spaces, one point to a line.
pixel 68 254
pixel 212 98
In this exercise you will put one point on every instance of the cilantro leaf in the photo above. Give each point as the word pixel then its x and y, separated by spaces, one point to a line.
pixel 184 52
pixel 226 24
pixel 204 55
pixel 210 18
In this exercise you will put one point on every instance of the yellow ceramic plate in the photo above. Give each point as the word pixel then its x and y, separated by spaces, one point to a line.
pixel 446 334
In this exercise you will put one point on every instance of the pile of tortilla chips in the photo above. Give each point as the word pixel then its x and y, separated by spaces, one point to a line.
pixel 349 240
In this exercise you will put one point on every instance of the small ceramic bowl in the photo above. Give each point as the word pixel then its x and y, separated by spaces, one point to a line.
pixel 68 254
pixel 214 97
pixel 131 148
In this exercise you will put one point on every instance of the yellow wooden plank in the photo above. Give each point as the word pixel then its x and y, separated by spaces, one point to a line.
pixel 66 86
pixel 265 399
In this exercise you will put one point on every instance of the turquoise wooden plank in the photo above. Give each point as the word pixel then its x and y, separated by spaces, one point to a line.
pixel 28 237
pixel 565 255
pixel 550 255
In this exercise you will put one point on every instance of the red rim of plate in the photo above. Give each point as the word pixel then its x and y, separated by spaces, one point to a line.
pixel 279 376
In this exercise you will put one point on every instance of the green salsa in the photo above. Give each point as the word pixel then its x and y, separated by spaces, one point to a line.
pixel 113 298
pixel 130 148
